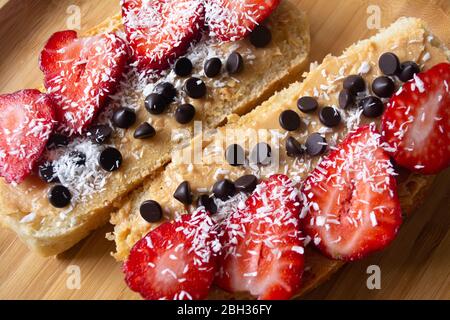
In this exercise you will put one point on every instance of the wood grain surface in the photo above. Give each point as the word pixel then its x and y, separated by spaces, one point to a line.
pixel 415 266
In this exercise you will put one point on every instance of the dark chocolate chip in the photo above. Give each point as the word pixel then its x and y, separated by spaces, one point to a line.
pixel 407 70
pixel 289 120
pixel 110 159
pixel 372 107
pixel 167 90
pixel 261 154
pixel 389 63
pixel 183 67
pixel 183 193
pixel 316 144
pixel 307 104
pixel 124 117
pixel 144 131
pixel 235 63
pixel 246 183
pixel 57 140
pixel 195 88
pixel 354 83
pixel 260 36
pixel 383 87
pixel 293 147
pixel 47 172
pixel 59 196
pixel 212 67
pixel 330 117
pixel 346 99
pixel 235 155
pixel 224 189
pixel 151 211
pixel 185 113
pixel 155 103
pixel 208 203
pixel 99 134
pixel 78 157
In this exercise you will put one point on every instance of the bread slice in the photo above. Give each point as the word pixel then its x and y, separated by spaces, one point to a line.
pixel 25 209
pixel 407 37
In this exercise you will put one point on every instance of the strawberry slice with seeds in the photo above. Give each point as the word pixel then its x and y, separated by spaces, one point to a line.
pixel 262 245
pixel 350 202
pixel 159 31
pixel 416 124
pixel 177 260
pixel 27 119
pixel 80 74
pixel 231 20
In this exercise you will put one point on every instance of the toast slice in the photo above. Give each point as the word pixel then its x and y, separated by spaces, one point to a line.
pixel 408 38
pixel 25 209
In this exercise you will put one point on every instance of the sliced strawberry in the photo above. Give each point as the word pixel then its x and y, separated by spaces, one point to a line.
pixel 177 260
pixel 80 74
pixel 416 124
pixel 159 31
pixel 27 119
pixel 262 246
pixel 350 199
pixel 232 20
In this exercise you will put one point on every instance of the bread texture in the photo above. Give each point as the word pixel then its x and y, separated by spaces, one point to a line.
pixel 24 208
pixel 408 38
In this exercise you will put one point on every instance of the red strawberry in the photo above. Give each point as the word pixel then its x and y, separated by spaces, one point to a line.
pixel 159 31
pixel 231 20
pixel 416 124
pixel 262 246
pixel 80 74
pixel 350 199
pixel 27 118
pixel 177 260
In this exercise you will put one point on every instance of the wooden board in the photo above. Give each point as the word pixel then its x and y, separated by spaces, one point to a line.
pixel 416 266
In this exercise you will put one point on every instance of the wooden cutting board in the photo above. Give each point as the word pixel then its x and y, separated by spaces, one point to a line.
pixel 415 266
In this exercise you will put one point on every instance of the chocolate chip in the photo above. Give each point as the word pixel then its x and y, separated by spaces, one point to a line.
pixel 346 99
pixel 246 183
pixel 330 117
pixel 195 88
pixel 99 134
pixel 354 83
pixel 235 63
pixel 316 144
pixel 47 172
pixel 144 131
pixel 224 189
pixel 235 155
pixel 407 70
pixel 389 63
pixel 289 120
pixel 293 147
pixel 57 140
pixel 124 118
pixel 383 87
pixel 110 159
pixel 372 107
pixel 307 104
pixel 183 193
pixel 261 154
pixel 167 90
pixel 208 203
pixel 260 36
pixel 212 67
pixel 59 196
pixel 183 67
pixel 78 157
pixel 155 103
pixel 185 113
pixel 151 211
